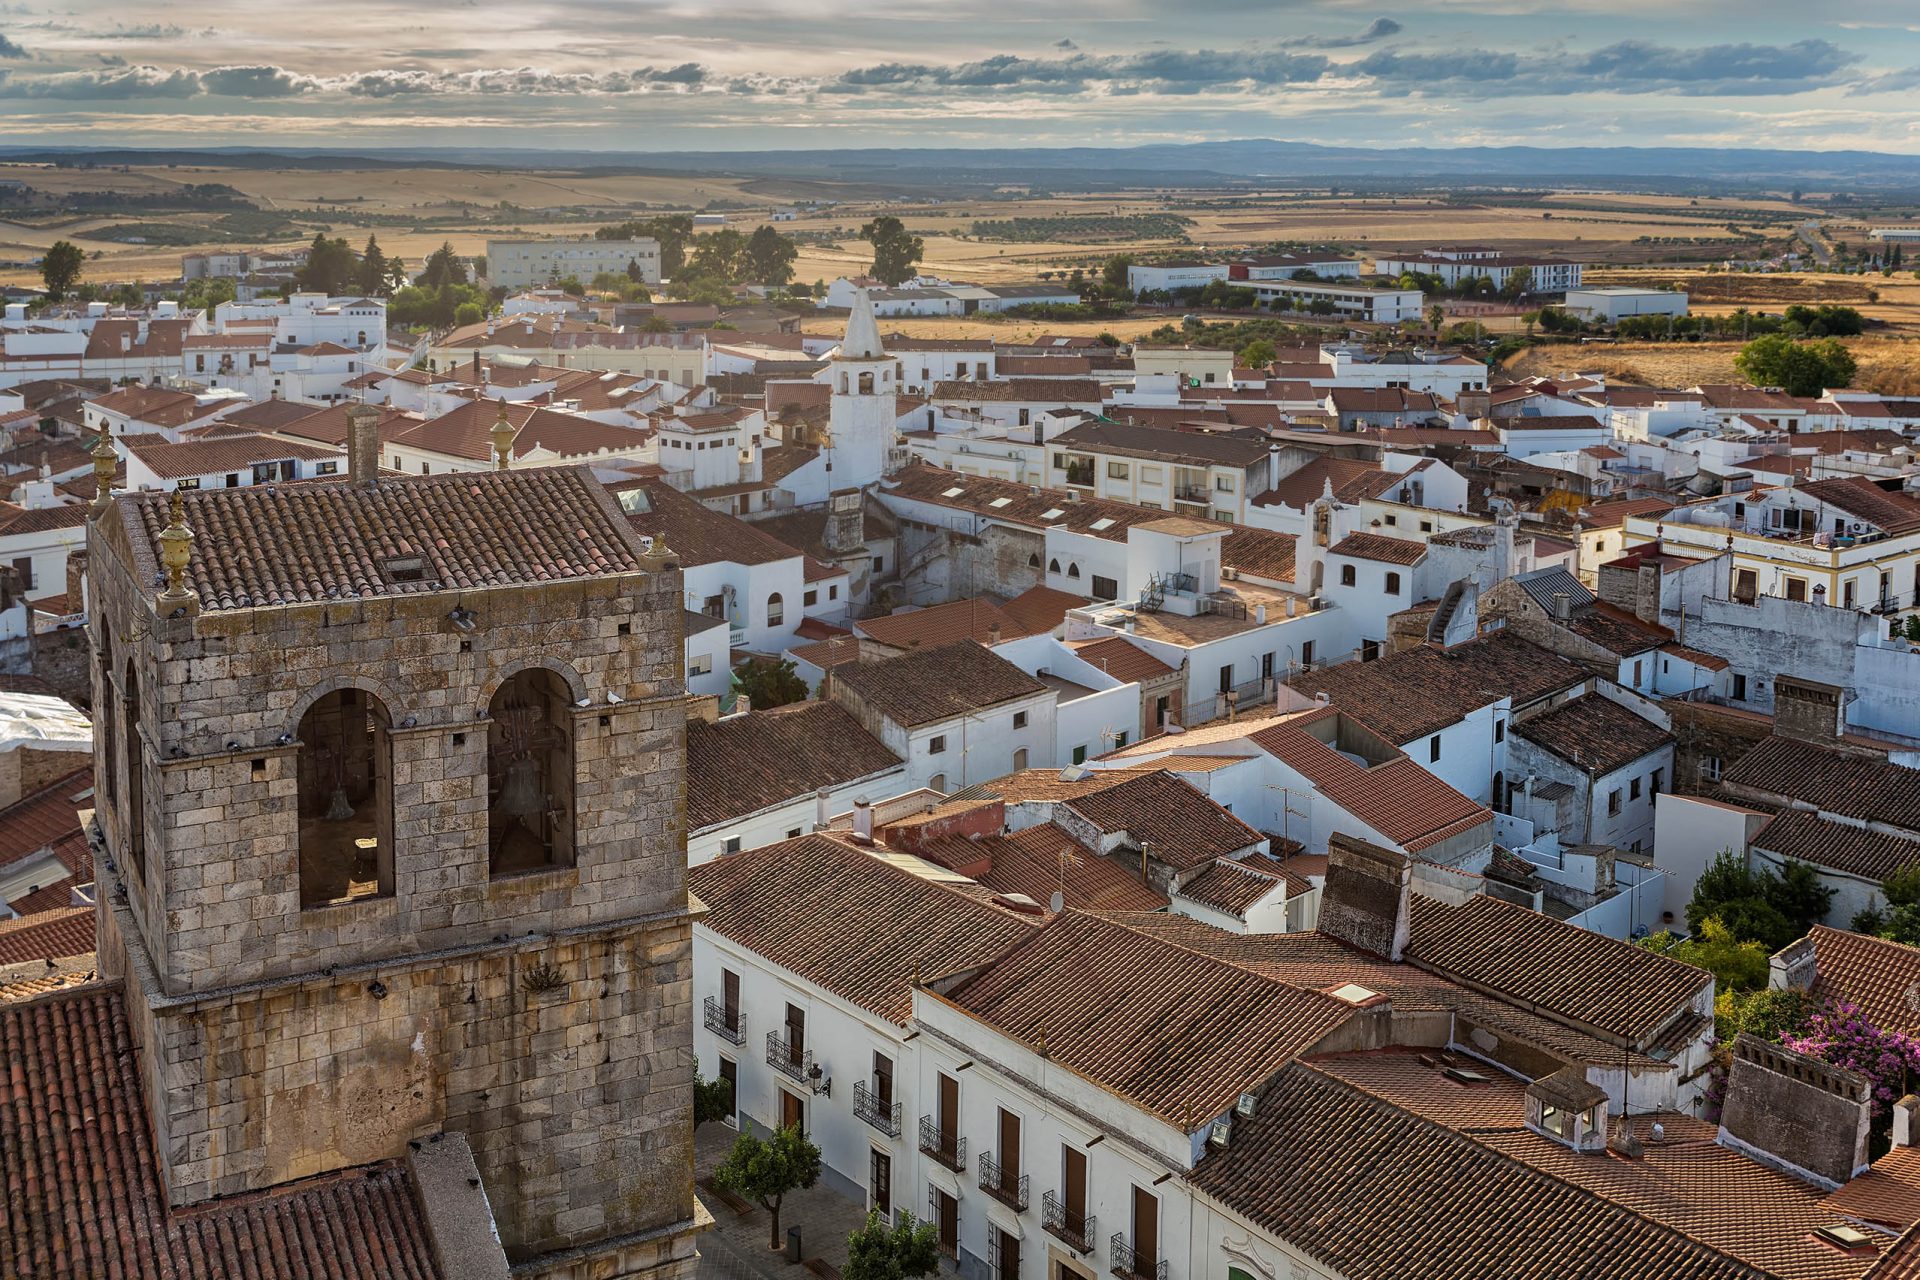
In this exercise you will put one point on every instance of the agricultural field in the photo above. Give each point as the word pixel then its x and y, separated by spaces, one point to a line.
pixel 1002 239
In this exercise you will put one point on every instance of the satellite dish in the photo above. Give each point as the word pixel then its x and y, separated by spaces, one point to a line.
pixel 1057 903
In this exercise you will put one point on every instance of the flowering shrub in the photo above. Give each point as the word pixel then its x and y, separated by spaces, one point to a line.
pixel 1837 1032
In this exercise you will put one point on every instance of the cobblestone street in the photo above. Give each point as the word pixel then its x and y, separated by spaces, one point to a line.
pixel 736 1249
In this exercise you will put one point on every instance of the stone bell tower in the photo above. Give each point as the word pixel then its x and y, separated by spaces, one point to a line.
pixel 862 413
pixel 391 819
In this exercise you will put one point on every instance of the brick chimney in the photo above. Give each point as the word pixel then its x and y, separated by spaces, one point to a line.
pixel 1796 1112
pixel 1807 710
pixel 363 445
pixel 1367 896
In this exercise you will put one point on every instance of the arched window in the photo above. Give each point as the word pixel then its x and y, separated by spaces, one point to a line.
pixel 530 774
pixel 866 384
pixel 1019 760
pixel 130 769
pixel 1073 570
pixel 1033 561
pixel 776 610
pixel 346 800
pixel 1393 584
pixel 1347 575
pixel 1053 566
pixel 845 383
pixel 938 782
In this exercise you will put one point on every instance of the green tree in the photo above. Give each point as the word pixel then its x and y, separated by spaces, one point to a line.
pixel 1798 368
pixel 1758 906
pixel 1519 283
pixel 443 267
pixel 671 232
pixel 769 684
pixel 1734 964
pixel 1114 275
pixel 769 257
pixel 373 279
pixel 1436 316
pixel 468 313
pixel 712 1099
pixel 903 1251
pixel 330 268
pixel 896 251
pixel 765 1171
pixel 720 254
pixel 1767 1012
pixel 1257 354
pixel 206 293
pixel 60 268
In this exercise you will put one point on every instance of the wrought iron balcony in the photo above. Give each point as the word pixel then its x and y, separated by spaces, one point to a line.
pixel 949 1149
pixel 726 1023
pixel 782 1058
pixel 994 1180
pixel 1072 1229
pixel 869 1106
pixel 1127 1263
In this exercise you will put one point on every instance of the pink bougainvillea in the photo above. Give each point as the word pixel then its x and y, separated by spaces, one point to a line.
pixel 1837 1032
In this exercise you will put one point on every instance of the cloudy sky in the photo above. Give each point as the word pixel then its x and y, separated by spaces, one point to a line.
pixel 736 74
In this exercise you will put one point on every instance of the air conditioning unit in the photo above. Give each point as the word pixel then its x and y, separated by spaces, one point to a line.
pixel 1229 574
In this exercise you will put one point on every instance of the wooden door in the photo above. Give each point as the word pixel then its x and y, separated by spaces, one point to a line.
pixel 792 1111
pixel 1146 1231
pixel 1073 1172
pixel 949 1114
pixel 1009 1147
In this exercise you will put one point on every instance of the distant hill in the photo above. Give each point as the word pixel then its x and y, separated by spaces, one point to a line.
pixel 1241 163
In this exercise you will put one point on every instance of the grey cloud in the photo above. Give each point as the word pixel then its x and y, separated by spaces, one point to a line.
pixel 1892 82
pixel 254 82
pixel 1170 70
pixel 1065 44
pixel 11 49
pixel 1628 67
pixel 112 84
pixel 1377 30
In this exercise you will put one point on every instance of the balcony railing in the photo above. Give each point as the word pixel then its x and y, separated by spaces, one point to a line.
pixel 1198 495
pixel 1075 1230
pixel 1127 1263
pixel 949 1149
pixel 869 1106
pixel 782 1058
pixel 1010 1190
pixel 726 1023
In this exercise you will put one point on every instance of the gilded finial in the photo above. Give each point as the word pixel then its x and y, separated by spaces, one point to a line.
pixel 503 434
pixel 176 550
pixel 105 460
pixel 656 555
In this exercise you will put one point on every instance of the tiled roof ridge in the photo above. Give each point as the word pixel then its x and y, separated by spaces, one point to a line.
pixel 1114 918
pixel 1529 1171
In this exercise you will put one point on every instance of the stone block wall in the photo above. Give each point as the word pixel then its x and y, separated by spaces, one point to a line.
pixel 565 1061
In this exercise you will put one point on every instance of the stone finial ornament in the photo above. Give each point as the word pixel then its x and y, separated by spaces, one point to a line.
pixel 176 550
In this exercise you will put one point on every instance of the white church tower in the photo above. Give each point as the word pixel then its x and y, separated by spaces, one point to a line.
pixel 863 419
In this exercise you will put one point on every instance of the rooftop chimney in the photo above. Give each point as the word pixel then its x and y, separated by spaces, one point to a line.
pixel 862 821
pixel 1795 1112
pixel 1366 897
pixel 363 445
pixel 1562 606
pixel 993 634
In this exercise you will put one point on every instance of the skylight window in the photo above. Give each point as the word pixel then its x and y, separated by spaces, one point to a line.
pixel 1052 513
pixel 1101 525
pixel 952 493
pixel 1353 993
pixel 1000 502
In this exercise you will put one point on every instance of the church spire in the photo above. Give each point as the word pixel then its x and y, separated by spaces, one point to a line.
pixel 863 331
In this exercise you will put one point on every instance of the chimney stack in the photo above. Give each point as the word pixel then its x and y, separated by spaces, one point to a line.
pixel 1562 606
pixel 363 445
pixel 993 634
pixel 862 821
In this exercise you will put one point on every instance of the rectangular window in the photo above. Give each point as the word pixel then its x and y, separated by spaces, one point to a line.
pixel 1433 749
pixel 880 1183
pixel 879 565
pixel 1613 803
pixel 936 744
pixel 1079 755
pixel 812 597
pixel 1105 588
pixel 1739 687
pixel 1116 471
pixel 1226 678
pixel 1347 575
pixel 1019 719
pixel 1223 484
pixel 700 664
pixel 1393 584
pixel 1710 767
pixel 1306 655
pixel 1633 789
pixel 730 845
pixel 1654 781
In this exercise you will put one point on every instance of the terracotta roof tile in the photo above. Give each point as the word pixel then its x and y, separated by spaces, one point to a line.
pixel 939 624
pixel 1044 859
pixel 936 683
pixel 743 764
pixel 1581 977
pixel 1232 887
pixel 47 935
pixel 1597 734
pixel 1376 546
pixel 861 926
pixel 1879 976
pixel 226 453
pixel 82 1183
pixel 1172 1031
pixel 1174 821
pixel 280 544
pixel 1420 691
pixel 465 432
pixel 1040 609
pixel 1854 786
pixel 1397 798
pixel 1856 850
pixel 1122 659
pixel 44 818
